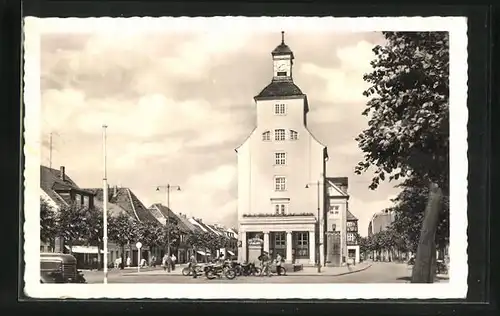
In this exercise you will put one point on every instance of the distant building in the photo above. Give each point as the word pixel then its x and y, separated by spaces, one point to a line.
pixel 380 221
pixel 165 215
pixel 59 191
pixel 123 200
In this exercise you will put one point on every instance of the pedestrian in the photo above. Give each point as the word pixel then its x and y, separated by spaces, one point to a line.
pixel 153 261
pixel 174 259
pixel 129 262
pixel 164 262
pixel 279 260
pixel 94 263
pixel 349 263
pixel 265 264
pixel 192 266
pixel 143 262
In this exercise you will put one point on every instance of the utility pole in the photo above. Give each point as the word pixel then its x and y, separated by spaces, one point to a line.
pixel 105 206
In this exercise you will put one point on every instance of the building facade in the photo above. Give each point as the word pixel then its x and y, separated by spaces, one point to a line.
pixel 336 220
pixel 380 221
pixel 281 170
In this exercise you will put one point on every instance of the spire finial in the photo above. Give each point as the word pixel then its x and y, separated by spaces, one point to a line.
pixel 282 37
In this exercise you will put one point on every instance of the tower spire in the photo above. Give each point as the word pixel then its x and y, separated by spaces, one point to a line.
pixel 282 37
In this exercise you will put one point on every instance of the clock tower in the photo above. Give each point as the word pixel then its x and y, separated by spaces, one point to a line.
pixel 282 61
pixel 279 167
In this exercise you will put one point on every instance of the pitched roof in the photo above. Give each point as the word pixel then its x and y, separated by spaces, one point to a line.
pixel 51 182
pixel 126 200
pixel 187 223
pixel 279 88
pixel 341 183
pixel 167 213
pixel 351 217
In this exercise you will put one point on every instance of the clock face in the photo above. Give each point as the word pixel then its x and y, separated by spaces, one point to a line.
pixel 281 66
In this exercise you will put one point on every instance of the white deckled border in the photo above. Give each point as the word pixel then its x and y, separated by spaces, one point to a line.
pixel 455 288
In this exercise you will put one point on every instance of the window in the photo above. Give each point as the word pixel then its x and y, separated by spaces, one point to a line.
pixel 279 183
pixel 281 73
pixel 279 109
pixel 294 135
pixel 302 244
pixel 279 239
pixel 351 237
pixel 266 135
pixel 279 134
pixel 334 209
pixel 280 209
pixel 280 158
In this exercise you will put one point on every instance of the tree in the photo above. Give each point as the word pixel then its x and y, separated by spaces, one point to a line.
pixel 73 224
pixel 48 222
pixel 123 231
pixel 408 133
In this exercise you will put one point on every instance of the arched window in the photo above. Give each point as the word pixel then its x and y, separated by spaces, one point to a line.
pixel 294 135
pixel 266 135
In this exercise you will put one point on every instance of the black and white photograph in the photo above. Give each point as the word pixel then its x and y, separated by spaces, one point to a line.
pixel 270 157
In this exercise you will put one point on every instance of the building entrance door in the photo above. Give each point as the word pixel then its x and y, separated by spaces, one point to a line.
pixel 333 251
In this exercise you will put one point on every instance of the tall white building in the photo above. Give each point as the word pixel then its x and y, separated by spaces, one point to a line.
pixel 281 172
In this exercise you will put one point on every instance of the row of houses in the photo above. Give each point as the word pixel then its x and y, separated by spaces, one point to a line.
pixel 60 191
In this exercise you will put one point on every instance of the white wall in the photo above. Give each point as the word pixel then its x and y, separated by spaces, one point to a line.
pixel 256 162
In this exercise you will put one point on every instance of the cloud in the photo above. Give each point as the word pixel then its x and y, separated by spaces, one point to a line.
pixel 178 102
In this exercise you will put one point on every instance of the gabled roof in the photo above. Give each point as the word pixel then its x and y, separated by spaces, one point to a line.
pixel 350 217
pixel 51 182
pixel 339 184
pixel 126 200
pixel 198 225
pixel 187 223
pixel 167 213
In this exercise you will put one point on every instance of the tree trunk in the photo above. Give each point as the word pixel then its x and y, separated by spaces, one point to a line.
pixel 122 265
pixel 424 268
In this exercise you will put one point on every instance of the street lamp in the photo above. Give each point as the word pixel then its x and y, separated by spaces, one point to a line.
pixel 105 207
pixel 168 188
pixel 318 185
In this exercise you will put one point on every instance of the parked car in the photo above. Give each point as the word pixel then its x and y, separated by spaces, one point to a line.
pixel 59 268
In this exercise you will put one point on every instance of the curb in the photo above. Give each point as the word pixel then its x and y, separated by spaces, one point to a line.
pixel 337 274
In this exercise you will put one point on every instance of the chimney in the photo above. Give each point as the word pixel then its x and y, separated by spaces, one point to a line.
pixel 62 173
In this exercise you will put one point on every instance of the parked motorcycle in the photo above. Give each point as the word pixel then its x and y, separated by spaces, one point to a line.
pixel 214 271
pixel 247 269
pixel 187 271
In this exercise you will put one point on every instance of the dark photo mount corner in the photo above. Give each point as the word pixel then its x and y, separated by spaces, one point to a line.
pixel 482 94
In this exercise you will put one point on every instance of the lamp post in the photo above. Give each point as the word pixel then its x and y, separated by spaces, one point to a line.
pixel 105 207
pixel 318 185
pixel 168 188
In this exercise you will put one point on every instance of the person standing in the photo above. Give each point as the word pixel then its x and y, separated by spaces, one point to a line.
pixel 192 266
pixel 164 262
pixel 174 259
pixel 129 261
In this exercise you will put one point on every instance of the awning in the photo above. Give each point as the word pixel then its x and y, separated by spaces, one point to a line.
pixel 230 252
pixel 201 253
pixel 84 249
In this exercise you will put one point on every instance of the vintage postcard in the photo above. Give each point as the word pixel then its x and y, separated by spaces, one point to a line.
pixel 272 157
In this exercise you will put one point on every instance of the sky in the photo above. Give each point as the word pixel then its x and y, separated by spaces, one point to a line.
pixel 177 104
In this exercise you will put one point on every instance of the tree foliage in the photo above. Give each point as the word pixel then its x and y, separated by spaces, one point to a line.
pixel 408 109
pixel 122 229
pixel 74 223
pixel 48 222
pixel 408 136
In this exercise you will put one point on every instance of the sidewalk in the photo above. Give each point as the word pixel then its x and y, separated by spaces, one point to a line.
pixel 332 271
pixel 158 271
pixel 307 271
